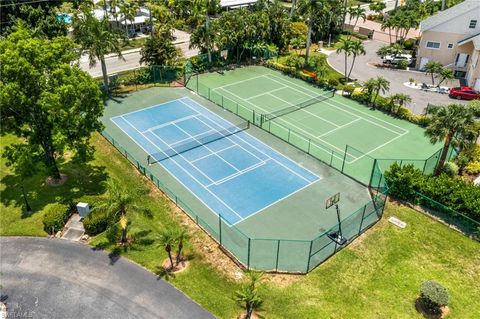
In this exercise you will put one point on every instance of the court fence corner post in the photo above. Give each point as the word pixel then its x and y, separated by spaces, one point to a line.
pixel 373 172
pixel 278 255
pixel 248 254
pixel 309 256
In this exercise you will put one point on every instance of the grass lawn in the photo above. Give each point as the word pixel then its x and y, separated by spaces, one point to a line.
pixel 378 276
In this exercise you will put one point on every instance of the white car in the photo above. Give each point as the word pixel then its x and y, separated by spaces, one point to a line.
pixel 394 59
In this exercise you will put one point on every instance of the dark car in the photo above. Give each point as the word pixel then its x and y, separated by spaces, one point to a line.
pixel 464 93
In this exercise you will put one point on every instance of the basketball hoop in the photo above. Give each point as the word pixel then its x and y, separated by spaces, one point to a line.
pixel 336 236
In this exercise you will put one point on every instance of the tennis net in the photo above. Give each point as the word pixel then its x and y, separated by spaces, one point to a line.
pixel 299 106
pixel 194 142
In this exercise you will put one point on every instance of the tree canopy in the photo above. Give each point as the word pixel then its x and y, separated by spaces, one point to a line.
pixel 45 99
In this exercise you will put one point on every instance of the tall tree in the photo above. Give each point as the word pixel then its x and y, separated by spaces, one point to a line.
pixel 397 101
pixel 345 46
pixel 309 9
pixel 159 49
pixel 167 239
pixel 445 74
pixel 445 123
pixel 98 38
pixel 355 13
pixel 357 49
pixel 248 295
pixel 45 99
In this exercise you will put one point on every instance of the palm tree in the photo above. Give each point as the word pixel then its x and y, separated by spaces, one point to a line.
pixel 98 38
pixel 446 122
pixel 381 84
pixel 346 46
pixel 309 9
pixel 399 100
pixel 445 74
pixel 356 13
pixel 321 71
pixel 123 226
pixel 248 296
pixel 119 199
pixel 167 239
pixel 433 68
pixel 357 48
pixel 182 235
pixel 368 88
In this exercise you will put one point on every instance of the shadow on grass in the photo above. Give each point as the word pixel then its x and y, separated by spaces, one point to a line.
pixel 82 179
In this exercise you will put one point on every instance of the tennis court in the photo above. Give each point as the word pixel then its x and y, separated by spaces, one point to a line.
pixel 231 172
pixel 335 129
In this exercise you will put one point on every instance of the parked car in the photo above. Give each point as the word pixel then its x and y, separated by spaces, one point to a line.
pixel 394 59
pixel 464 93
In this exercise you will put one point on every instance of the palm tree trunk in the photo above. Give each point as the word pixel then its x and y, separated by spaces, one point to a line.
pixel 294 2
pixel 344 13
pixel 346 77
pixel 433 79
pixel 351 67
pixel 104 72
pixel 249 311
pixel 443 156
pixel 375 98
pixel 169 251
pixel 179 252
pixel 27 205
pixel 309 40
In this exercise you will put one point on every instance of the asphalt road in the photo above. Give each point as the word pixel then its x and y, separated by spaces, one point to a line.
pixel 51 278
pixel 131 58
pixel 364 70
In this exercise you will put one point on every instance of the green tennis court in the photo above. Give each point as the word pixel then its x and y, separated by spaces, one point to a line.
pixel 332 128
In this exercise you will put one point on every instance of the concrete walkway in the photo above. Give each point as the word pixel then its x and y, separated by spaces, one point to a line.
pixel 365 69
pixel 52 278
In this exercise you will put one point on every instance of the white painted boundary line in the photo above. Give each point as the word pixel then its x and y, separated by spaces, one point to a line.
pixel 183 169
pixel 269 92
pixel 223 149
pixel 156 127
pixel 238 82
pixel 246 170
pixel 149 107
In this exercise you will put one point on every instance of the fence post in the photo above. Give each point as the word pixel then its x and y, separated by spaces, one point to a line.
pixel 344 157
pixel 361 221
pixel 220 229
pixel 373 170
pixel 196 76
pixel 331 158
pixel 248 255
pixel 288 138
pixel 309 255
pixel 278 253
pixel 309 143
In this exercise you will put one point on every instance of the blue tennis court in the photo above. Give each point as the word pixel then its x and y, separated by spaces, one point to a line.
pixel 227 169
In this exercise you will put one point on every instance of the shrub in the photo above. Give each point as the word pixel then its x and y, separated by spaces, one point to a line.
pixel 295 61
pixel 96 222
pixel 411 80
pixel 408 44
pixel 113 233
pixel 56 215
pixel 451 169
pixel 349 89
pixel 333 82
pixel 433 296
pixel 402 64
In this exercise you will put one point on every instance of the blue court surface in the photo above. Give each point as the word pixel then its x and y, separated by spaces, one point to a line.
pixel 235 175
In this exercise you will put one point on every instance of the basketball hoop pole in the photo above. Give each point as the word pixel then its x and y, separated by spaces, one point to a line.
pixel 338 219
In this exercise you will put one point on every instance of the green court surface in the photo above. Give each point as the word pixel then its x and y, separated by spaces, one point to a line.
pixel 289 235
pixel 337 130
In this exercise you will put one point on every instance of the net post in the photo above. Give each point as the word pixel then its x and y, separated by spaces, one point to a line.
pixel 220 229
pixel 309 255
pixel 309 143
pixel 288 138
pixel 331 158
pixel 196 76
pixel 208 90
pixel 278 254
pixel 222 101
pixel 344 157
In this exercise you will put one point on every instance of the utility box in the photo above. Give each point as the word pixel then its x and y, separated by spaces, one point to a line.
pixel 83 209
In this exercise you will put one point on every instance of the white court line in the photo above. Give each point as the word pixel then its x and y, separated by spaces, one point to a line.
pixel 182 140
pixel 376 148
pixel 243 171
pixel 182 168
pixel 146 108
pixel 209 149
pixel 168 123
pixel 265 93
pixel 260 150
pixel 205 156
pixel 340 127
pixel 305 110
pixel 346 105
pixel 235 83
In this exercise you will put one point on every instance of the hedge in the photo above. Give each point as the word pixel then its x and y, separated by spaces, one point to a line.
pixel 56 215
pixel 406 182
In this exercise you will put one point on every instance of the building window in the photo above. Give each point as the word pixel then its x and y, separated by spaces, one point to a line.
pixel 473 24
pixel 433 45
pixel 450 45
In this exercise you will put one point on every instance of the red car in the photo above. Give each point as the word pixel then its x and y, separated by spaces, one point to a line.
pixel 464 92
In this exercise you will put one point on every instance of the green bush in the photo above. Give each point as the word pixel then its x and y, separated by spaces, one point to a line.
pixel 433 296
pixel 333 82
pixel 348 89
pixel 56 215
pixel 451 169
pixel 113 233
pixel 454 193
pixel 408 44
pixel 97 221
pixel 402 64
pixel 295 61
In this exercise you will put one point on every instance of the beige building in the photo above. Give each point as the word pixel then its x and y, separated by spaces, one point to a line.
pixel 452 37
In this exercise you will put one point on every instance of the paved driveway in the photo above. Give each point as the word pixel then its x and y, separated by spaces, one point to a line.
pixel 47 278
pixel 364 70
